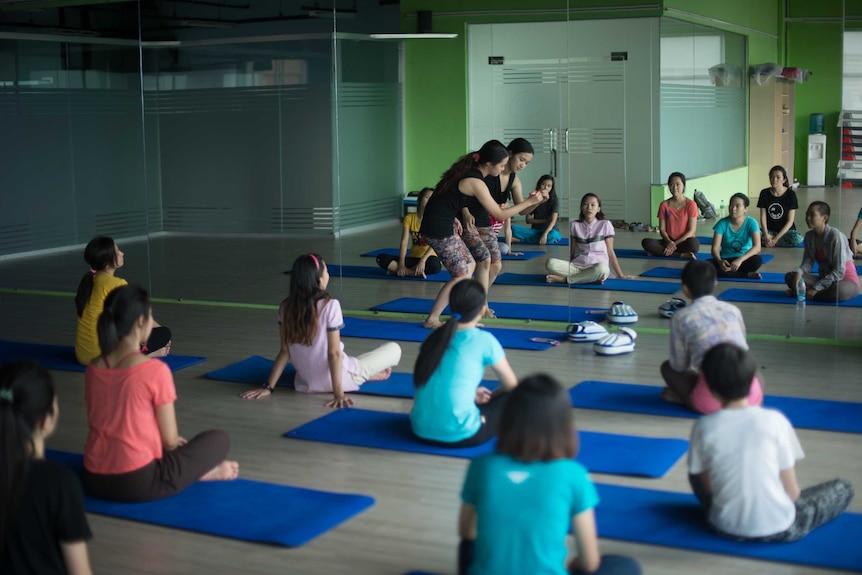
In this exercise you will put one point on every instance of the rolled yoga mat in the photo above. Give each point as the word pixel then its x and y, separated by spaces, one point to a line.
pixel 239 509
pixel 778 296
pixel 62 357
pixel 821 414
pixel 599 452
pixel 676 273
pixel 525 254
pixel 532 311
pixel 611 284
pixel 255 370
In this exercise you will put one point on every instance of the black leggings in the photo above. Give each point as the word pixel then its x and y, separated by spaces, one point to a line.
pixel 491 413
pixel 432 264
pixel 656 247
pixel 752 264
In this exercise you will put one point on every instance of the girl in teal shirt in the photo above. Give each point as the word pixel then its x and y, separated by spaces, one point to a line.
pixel 736 242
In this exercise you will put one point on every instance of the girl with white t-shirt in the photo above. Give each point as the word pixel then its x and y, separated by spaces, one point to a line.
pixel 309 324
pixel 591 249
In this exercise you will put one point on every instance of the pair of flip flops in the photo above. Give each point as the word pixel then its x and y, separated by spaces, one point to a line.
pixel 620 341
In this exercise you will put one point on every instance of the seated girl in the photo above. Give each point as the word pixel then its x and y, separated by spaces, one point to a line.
pixel 677 224
pixel 520 503
pixel 855 243
pixel 836 279
pixel 421 261
pixel 309 322
pixel 741 462
pixel 778 204
pixel 543 220
pixel 591 248
pixel 105 258
pixel 736 242
pixel 134 452
pixel 450 407
pixel 43 528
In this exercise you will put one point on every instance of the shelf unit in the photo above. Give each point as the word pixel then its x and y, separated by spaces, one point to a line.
pixel 771 140
pixel 850 165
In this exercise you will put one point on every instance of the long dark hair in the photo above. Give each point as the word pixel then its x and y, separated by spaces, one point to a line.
pixel 520 146
pixel 123 307
pixel 100 254
pixel 545 209
pixel 466 301
pixel 536 423
pixel 26 398
pixel 782 171
pixel 300 306
pixel 599 216
pixel 492 151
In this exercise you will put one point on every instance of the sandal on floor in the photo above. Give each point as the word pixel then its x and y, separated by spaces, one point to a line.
pixel 617 343
pixel 586 331
pixel 622 313
pixel 671 306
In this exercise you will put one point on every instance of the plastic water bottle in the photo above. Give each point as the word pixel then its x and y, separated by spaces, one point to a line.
pixel 800 291
pixel 721 210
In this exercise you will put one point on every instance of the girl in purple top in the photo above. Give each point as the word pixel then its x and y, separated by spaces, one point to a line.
pixel 591 249
pixel 309 324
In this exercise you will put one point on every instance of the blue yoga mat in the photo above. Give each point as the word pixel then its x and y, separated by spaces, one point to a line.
pixel 777 296
pixel 533 311
pixel 405 331
pixel 676 520
pixel 611 284
pixel 600 452
pixel 255 370
pixel 821 414
pixel 62 357
pixel 375 272
pixel 239 509
pixel 525 254
pixel 676 273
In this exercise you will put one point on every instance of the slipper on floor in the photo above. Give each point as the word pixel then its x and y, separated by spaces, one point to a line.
pixel 616 343
pixel 670 307
pixel 623 313
pixel 586 331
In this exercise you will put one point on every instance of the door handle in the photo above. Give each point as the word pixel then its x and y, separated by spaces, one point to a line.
pixel 553 134
pixel 567 141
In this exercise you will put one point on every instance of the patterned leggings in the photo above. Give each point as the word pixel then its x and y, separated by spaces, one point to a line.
pixel 816 506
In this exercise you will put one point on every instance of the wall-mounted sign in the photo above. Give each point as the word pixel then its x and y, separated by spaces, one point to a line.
pixel 619 56
pixel 495 60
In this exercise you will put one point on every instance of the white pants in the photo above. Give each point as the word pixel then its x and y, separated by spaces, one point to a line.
pixel 578 274
pixel 376 360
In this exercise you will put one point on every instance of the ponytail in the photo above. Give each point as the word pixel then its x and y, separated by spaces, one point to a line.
pixel 466 300
pixel 492 151
pixel 85 289
pixel 26 398
pixel 123 306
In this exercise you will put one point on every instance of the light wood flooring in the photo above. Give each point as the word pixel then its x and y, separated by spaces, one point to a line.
pixel 412 525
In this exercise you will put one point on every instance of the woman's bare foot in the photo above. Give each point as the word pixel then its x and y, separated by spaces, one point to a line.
pixel 381 375
pixel 598 282
pixel 688 255
pixel 224 471
pixel 670 395
pixel 754 276
pixel 552 279
pixel 432 323
pixel 790 292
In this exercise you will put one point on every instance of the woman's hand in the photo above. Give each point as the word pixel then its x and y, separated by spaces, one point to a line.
pixel 255 393
pixel 543 239
pixel 734 267
pixel 457 227
pixel 670 248
pixel 626 277
pixel 727 266
pixel 419 272
pixel 339 401
pixel 483 395
pixel 769 241
pixel 810 293
pixel 469 221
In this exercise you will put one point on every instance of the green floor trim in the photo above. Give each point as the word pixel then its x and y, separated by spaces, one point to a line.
pixel 545 325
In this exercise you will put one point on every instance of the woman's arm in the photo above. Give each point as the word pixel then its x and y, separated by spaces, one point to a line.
pixel 584 529
pixel 75 557
pixel 853 234
pixel 791 217
pixel 333 354
pixel 752 251
pixel 467 522
pixel 419 270
pixel 835 253
pixel 552 221
pixel 518 197
pixel 614 262
pixel 166 417
pixel 670 245
pixel 402 251
pixel 477 188
pixel 764 228
pixel 690 231
pixel 281 361
pixel 788 480
pixel 507 377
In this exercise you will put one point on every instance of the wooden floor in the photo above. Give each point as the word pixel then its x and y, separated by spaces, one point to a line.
pixel 814 353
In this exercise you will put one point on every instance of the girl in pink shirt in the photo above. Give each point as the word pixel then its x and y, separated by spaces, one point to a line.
pixel 677 224
pixel 309 324
pixel 591 249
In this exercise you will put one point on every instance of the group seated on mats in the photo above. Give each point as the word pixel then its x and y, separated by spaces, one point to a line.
pixel 778 204
pixel 736 242
pixel 450 407
pixel 695 329
pixel 309 324
pixel 105 258
pixel 543 220
pixel 836 279
pixel 591 248
pixel 36 493
pixel 421 261
pixel 520 155
pixel 742 462
pixel 134 452
pixel 464 255
pixel 677 224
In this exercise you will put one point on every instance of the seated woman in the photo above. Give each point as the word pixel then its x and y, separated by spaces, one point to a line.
pixel 134 452
pixel 677 224
pixel 855 243
pixel 836 279
pixel 421 261
pixel 543 220
pixel 591 249
pixel 736 242
pixel 105 258
pixel 450 407
pixel 520 503
pixel 778 204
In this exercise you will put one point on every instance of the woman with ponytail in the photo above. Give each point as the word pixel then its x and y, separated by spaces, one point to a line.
pixel 309 325
pixel 134 451
pixel 450 407
pixel 43 528
pixel 105 258
pixel 464 180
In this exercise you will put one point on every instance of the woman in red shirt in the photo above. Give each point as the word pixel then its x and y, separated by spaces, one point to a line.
pixel 677 224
